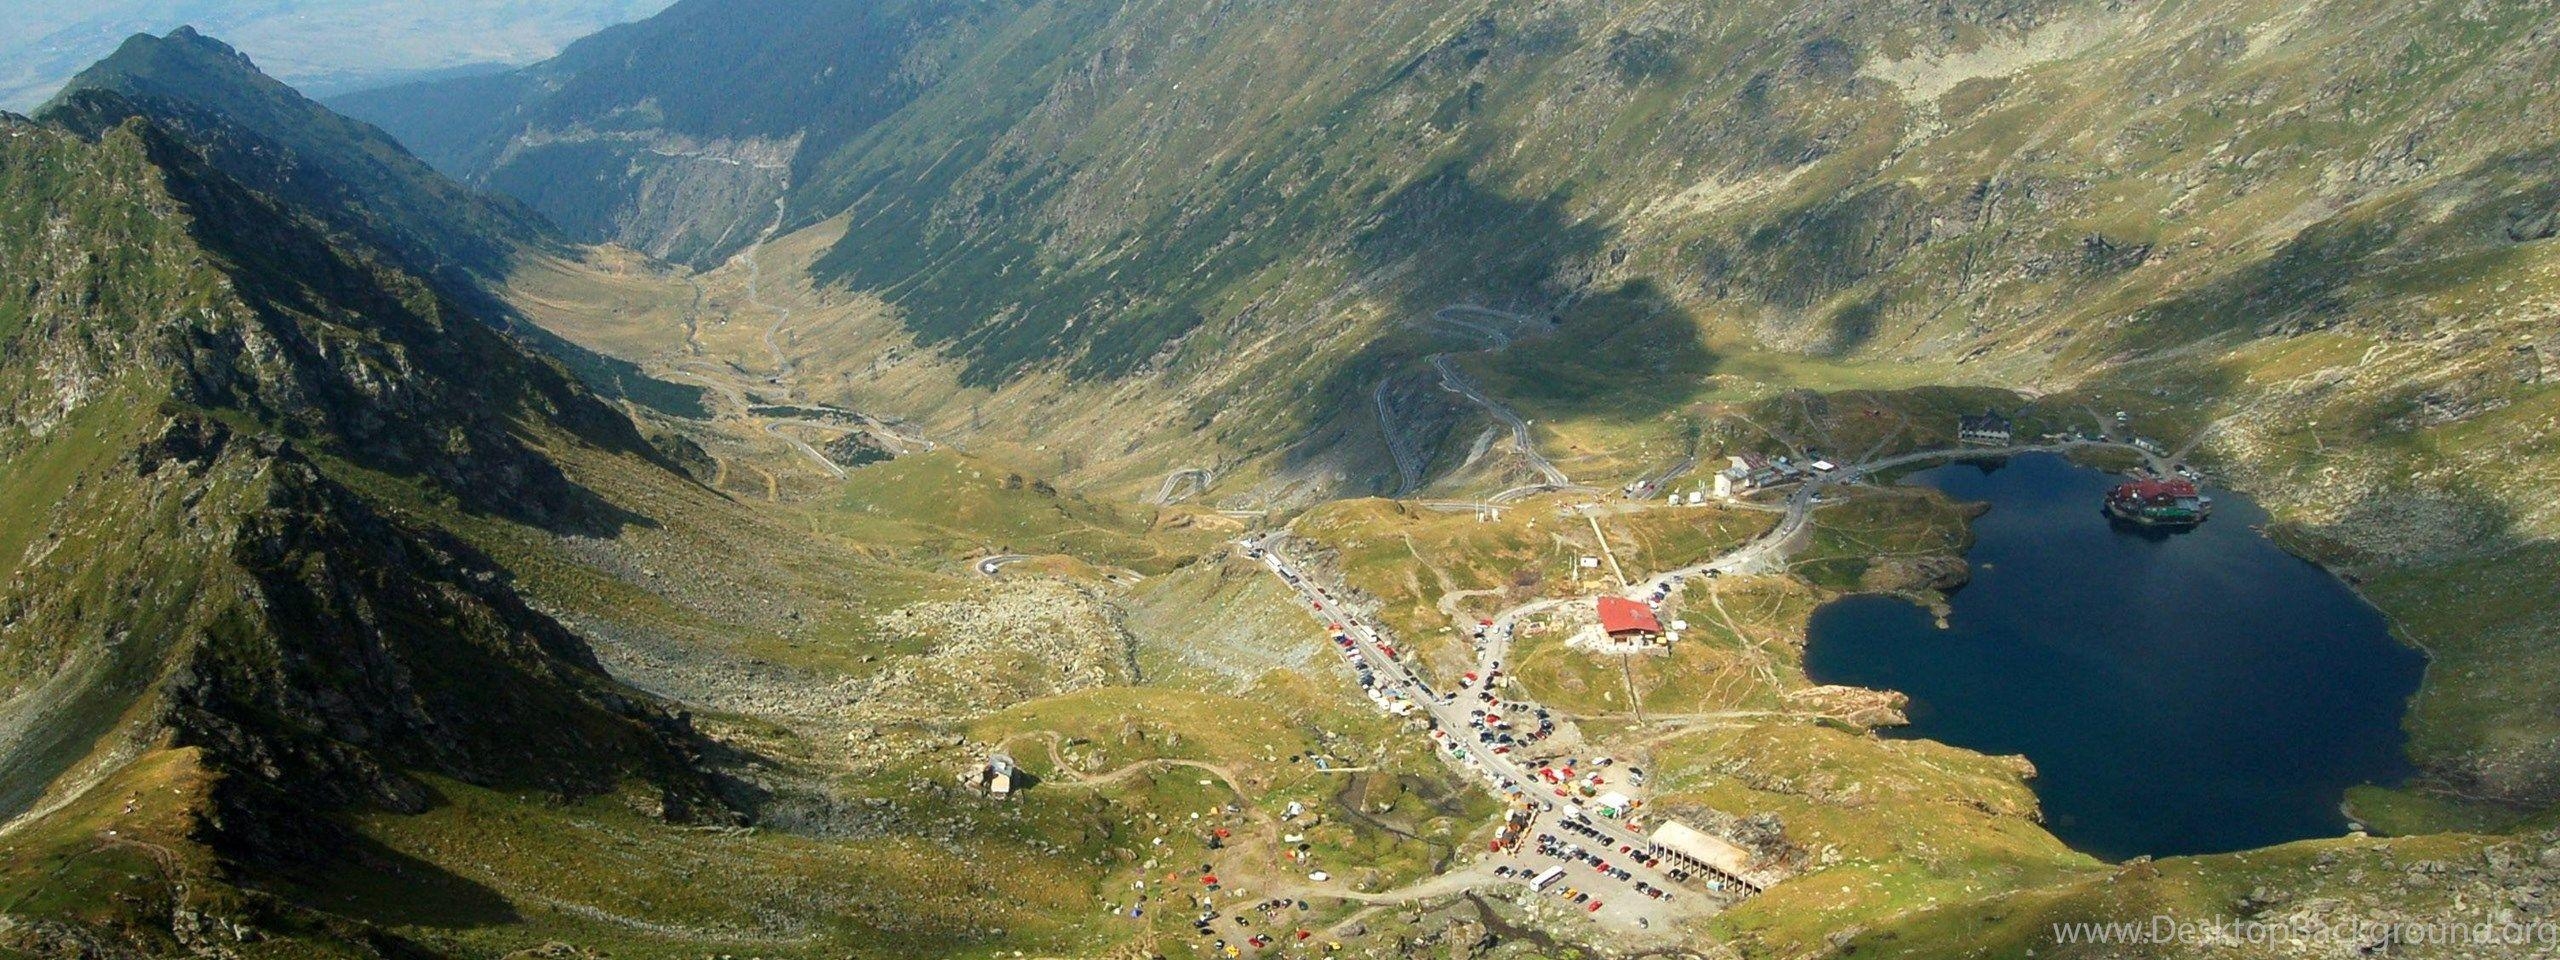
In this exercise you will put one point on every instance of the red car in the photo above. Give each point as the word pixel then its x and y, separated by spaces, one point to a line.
pixel 1595 906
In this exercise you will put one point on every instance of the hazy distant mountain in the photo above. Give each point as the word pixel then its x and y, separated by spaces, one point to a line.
pixel 320 46
pixel 676 135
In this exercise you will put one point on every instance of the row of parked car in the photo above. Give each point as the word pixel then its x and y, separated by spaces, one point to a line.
pixel 1577 896
pixel 1551 845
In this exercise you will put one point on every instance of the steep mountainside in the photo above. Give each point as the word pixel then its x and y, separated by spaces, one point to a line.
pixel 351 176
pixel 677 135
pixel 1831 177
pixel 1215 235
pixel 298 518
pixel 311 579
pixel 191 375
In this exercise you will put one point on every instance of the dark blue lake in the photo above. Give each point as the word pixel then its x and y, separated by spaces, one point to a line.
pixel 2179 693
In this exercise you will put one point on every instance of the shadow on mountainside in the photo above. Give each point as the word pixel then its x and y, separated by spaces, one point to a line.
pixel 380 367
pixel 1448 239
pixel 363 879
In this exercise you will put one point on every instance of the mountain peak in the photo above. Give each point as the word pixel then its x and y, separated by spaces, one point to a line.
pixel 271 138
pixel 180 62
pixel 236 360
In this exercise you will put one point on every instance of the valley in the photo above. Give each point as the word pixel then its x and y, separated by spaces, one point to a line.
pixel 911 478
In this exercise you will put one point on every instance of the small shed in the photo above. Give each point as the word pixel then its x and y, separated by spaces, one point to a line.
pixel 997 776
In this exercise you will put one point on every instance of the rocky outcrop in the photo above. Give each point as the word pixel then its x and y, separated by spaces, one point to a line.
pixel 663 194
pixel 1915 574
pixel 857 449
pixel 361 647
pixel 207 575
pixel 2533 222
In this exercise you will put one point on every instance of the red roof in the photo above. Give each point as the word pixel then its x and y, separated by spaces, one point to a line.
pixel 1621 615
pixel 2154 490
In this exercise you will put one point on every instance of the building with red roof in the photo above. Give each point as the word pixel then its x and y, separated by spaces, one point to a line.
pixel 1620 616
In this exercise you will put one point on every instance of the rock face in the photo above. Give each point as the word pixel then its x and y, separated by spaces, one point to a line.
pixel 2528 223
pixel 361 647
pixel 192 371
pixel 277 142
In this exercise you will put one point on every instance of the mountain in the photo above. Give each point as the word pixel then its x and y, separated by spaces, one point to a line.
pixel 316 45
pixel 355 178
pixel 202 393
pixel 336 621
pixel 339 622
pixel 1103 230
pixel 1050 185
pixel 677 135
pixel 352 177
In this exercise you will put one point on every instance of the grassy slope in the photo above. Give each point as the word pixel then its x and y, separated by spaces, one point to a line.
pixel 1413 560
pixel 2251 146
pixel 946 504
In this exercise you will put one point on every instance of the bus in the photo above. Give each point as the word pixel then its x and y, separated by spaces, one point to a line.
pixel 1547 878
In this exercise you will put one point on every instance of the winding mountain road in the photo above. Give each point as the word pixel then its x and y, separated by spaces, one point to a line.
pixel 1410 463
pixel 774 427
pixel 1448 712
pixel 1171 488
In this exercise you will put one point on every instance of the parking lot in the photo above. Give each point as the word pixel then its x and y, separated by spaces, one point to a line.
pixel 1601 876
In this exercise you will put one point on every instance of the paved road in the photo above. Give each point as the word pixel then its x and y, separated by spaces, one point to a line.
pixel 774 427
pixel 1172 485
pixel 1656 485
pixel 1410 463
pixel 782 367
pixel 990 566
pixel 1450 713
pixel 1770 552
pixel 1455 381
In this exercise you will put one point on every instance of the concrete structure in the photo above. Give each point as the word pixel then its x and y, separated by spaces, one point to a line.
pixel 1714 855
pixel 1751 471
